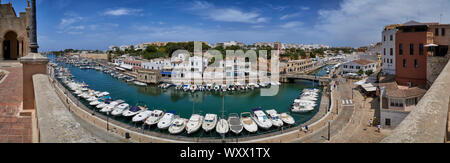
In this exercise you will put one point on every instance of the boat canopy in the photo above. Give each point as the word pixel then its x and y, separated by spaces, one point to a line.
pixel 135 109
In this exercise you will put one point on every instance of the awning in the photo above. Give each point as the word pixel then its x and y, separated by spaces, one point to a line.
pixel 361 82
pixel 166 73
pixel 128 67
pixel 369 87
pixel 431 45
pixel 121 69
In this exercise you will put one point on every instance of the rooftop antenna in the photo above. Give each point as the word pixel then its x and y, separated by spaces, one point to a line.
pixel 440 18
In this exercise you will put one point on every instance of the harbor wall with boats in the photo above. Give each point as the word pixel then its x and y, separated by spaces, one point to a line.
pixel 137 135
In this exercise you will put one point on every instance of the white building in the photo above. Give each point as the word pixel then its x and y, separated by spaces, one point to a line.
pixel 124 47
pixel 357 65
pixel 155 64
pixel 388 53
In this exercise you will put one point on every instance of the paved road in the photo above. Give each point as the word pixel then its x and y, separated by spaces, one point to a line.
pixel 336 126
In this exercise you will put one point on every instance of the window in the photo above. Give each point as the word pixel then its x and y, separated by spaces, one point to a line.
pixel 416 64
pixel 388 122
pixel 392 52
pixel 421 49
pixel 436 32
pixel 443 32
pixel 411 49
pixel 396 102
pixel 404 63
pixel 358 67
pixel 392 37
pixel 400 49
pixel 384 38
pixel 384 51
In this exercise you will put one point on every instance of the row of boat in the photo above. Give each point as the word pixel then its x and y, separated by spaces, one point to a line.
pixel 306 101
pixel 249 121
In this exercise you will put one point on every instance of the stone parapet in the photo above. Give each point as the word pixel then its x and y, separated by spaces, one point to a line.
pixel 427 123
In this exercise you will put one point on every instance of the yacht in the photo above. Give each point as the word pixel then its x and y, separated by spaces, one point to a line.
pixel 210 122
pixel 140 83
pixel 274 117
pixel 93 98
pixel 142 116
pixel 166 120
pixel 235 123
pixel 286 118
pixel 104 104
pixel 119 109
pixel 194 124
pixel 154 117
pixel 248 122
pixel 133 111
pixel 222 126
pixel 301 107
pixel 305 102
pixel 178 126
pixel 111 106
pixel 261 119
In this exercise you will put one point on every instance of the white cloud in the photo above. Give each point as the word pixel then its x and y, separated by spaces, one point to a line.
pixel 69 21
pixel 292 24
pixel 226 14
pixel 122 11
pixel 304 8
pixel 289 16
pixel 358 22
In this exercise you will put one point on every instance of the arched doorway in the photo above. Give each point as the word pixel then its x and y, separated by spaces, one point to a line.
pixel 10 46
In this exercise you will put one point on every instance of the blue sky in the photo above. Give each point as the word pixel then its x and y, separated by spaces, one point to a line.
pixel 96 24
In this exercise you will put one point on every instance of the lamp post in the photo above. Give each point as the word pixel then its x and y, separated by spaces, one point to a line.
pixel 33 28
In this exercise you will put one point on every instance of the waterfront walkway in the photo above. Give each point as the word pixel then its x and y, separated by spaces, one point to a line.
pixel 56 122
pixel 14 128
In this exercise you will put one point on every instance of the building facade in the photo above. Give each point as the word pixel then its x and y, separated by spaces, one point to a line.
pixel 149 76
pixel 411 55
pixel 356 66
pixel 388 47
pixel 13 32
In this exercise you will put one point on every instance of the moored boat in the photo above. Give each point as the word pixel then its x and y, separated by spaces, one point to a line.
pixel 235 123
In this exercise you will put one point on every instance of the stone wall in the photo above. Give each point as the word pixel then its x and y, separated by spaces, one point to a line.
pixel 396 117
pixel 435 65
pixel 427 123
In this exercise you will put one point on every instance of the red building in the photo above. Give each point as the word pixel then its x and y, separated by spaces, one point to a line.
pixel 411 54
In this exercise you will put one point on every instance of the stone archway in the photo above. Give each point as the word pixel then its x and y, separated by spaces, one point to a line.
pixel 10 46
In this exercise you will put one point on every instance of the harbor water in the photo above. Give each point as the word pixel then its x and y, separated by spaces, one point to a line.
pixel 187 103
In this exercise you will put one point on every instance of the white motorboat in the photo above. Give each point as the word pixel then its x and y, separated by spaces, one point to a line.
pixel 78 92
pixel 308 98
pixel 111 106
pixel 274 117
pixel 178 126
pixel 286 118
pixel 301 108
pixel 305 102
pixel 222 126
pixel 133 111
pixel 93 98
pixel 235 123
pixel 104 104
pixel 210 122
pixel 166 120
pixel 154 117
pixel 248 122
pixel 142 116
pixel 119 109
pixel 261 119
pixel 95 103
pixel 194 124
pixel 140 83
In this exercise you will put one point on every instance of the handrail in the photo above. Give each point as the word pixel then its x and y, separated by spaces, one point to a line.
pixel 427 123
